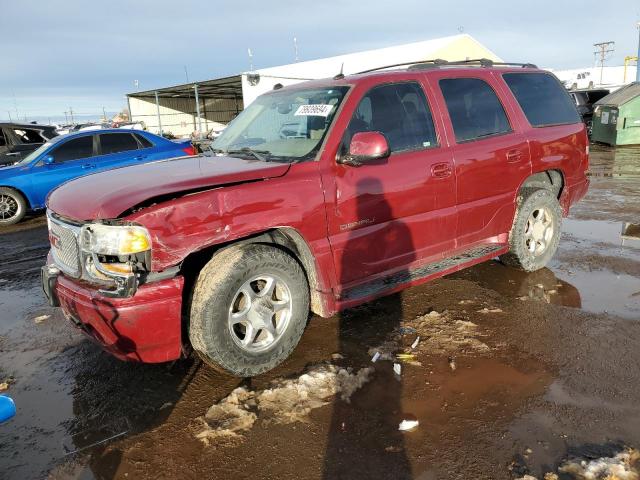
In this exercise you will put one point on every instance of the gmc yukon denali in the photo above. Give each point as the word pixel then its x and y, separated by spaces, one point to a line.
pixel 317 197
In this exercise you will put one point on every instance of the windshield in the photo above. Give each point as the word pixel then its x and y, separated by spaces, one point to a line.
pixel 33 155
pixel 287 125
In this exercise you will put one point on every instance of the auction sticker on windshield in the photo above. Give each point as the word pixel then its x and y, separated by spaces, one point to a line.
pixel 316 110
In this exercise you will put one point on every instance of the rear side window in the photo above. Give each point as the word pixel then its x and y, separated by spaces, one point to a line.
pixel 117 142
pixel 400 112
pixel 474 108
pixel 27 135
pixel 542 98
pixel 74 149
pixel 143 141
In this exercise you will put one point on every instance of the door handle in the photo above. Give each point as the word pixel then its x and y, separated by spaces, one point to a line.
pixel 12 154
pixel 89 165
pixel 441 170
pixel 140 157
pixel 514 156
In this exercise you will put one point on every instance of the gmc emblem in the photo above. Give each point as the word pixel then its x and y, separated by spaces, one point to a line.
pixel 55 240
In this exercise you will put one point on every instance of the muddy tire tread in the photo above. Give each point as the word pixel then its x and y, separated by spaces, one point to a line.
pixel 212 294
pixel 518 257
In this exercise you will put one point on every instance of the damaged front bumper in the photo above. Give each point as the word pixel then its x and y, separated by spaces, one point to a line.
pixel 146 327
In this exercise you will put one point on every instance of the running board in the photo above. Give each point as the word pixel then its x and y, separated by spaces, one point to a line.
pixel 406 276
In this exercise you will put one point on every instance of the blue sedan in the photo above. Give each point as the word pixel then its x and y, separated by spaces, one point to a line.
pixel 25 185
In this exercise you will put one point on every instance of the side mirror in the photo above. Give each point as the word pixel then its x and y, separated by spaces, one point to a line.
pixel 365 147
pixel 48 160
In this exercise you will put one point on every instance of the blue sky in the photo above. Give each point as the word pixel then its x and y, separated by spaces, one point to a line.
pixel 86 55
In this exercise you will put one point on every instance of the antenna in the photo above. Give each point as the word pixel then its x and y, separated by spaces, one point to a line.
pixel 250 53
pixel 340 76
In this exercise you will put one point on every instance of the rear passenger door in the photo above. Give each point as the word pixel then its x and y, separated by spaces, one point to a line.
pixel 386 216
pixel 491 155
pixel 118 150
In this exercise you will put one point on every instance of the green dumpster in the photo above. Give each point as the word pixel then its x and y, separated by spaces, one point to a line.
pixel 616 118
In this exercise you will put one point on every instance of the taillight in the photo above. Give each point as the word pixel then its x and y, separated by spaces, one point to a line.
pixel 190 150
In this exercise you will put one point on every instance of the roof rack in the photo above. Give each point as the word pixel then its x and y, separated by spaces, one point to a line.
pixel 439 62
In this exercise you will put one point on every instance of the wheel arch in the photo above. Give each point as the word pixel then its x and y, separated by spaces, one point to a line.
pixel 287 239
pixel 21 192
pixel 551 179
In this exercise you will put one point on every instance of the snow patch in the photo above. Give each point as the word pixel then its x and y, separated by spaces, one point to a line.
pixel 287 401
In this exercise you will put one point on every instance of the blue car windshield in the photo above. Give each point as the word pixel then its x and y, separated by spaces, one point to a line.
pixel 35 154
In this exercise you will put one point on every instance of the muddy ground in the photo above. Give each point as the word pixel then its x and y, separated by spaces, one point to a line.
pixel 513 374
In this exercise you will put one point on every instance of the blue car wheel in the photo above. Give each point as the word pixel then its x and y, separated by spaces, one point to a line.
pixel 13 207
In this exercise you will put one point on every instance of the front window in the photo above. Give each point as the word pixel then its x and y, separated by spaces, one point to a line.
pixel 288 126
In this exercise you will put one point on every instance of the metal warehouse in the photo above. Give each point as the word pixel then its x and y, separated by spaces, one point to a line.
pixel 210 104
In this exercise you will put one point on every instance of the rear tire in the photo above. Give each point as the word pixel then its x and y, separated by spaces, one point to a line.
pixel 13 206
pixel 535 233
pixel 249 309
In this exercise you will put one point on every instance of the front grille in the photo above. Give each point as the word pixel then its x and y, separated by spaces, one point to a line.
pixel 64 246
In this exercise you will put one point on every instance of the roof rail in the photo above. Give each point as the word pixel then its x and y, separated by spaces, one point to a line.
pixel 439 62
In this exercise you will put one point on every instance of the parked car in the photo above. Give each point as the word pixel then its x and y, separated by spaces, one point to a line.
pixel 25 185
pixel 584 100
pixel 19 139
pixel 391 178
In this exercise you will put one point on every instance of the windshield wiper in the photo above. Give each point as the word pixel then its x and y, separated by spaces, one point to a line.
pixel 262 155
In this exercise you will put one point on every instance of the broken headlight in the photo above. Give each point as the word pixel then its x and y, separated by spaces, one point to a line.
pixel 113 250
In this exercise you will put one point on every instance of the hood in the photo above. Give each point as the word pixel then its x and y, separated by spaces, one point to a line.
pixel 108 194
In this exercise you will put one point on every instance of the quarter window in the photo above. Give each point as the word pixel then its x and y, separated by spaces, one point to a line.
pixel 543 99
pixel 143 141
pixel 400 112
pixel 474 109
pixel 74 149
pixel 117 142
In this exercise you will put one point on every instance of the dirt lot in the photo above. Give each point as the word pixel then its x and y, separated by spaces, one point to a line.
pixel 513 374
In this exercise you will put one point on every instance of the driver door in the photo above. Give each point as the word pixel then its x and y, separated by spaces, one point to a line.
pixel 387 217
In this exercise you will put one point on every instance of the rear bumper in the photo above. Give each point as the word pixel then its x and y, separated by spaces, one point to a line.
pixel 144 328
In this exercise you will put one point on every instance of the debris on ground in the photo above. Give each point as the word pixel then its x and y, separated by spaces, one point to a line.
pixel 286 401
pixel 490 310
pixel 336 356
pixel 41 318
pixel 452 363
pixel 438 334
pixel 406 425
pixel 4 386
pixel 625 465
pixel 397 368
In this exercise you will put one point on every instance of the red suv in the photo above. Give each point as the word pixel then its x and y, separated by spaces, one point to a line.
pixel 317 197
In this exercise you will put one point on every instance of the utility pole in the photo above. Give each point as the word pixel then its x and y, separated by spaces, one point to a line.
pixel 250 53
pixel 104 114
pixel 9 112
pixel 295 46
pixel 71 113
pixel 603 49
pixel 186 73
pixel 66 119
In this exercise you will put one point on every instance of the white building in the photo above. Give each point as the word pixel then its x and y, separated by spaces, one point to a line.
pixel 183 109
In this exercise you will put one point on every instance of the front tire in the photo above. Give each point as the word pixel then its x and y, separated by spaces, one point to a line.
pixel 535 234
pixel 13 206
pixel 249 309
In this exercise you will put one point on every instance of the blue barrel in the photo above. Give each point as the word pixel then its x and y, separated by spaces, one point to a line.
pixel 7 408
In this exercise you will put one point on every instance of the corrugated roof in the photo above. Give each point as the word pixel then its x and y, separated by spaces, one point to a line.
pixel 621 96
